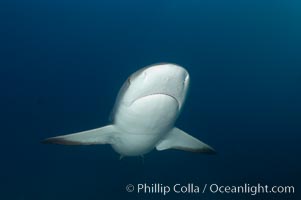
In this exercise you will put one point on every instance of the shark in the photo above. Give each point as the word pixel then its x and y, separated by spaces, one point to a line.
pixel 144 115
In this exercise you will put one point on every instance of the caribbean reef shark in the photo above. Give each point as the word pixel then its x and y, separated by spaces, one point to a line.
pixel 144 115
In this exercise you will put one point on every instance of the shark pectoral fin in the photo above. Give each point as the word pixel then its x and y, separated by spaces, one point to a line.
pixel 103 135
pixel 178 139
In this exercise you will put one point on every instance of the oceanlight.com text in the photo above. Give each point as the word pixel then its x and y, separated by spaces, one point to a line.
pixel 191 188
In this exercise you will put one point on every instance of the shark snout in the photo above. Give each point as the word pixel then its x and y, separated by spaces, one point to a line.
pixel 167 71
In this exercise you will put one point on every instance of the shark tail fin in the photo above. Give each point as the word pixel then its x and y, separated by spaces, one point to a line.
pixel 103 135
pixel 178 139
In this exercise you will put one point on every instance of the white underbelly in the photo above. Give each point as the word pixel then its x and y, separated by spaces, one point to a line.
pixel 134 145
pixel 144 123
pixel 147 115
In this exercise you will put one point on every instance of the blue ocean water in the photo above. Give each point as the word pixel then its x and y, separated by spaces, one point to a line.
pixel 63 62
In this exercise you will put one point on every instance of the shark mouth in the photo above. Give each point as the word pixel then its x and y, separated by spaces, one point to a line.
pixel 169 95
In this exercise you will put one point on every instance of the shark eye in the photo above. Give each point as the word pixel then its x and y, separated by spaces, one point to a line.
pixel 129 81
